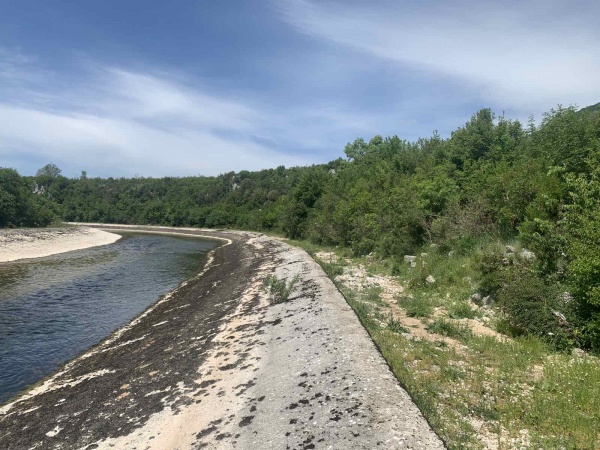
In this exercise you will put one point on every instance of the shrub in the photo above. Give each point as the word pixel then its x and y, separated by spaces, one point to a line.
pixel 279 291
pixel 532 307
pixel 492 272
pixel 332 269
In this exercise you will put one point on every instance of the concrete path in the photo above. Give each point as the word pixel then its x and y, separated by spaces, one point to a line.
pixel 214 366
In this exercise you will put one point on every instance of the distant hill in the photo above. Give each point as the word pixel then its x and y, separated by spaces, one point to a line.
pixel 593 109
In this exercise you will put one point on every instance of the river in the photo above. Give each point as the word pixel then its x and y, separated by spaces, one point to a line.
pixel 54 308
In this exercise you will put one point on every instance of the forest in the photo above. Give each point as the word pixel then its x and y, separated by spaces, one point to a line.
pixel 493 180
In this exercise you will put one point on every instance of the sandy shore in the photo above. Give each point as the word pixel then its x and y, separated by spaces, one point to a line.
pixel 40 242
pixel 214 365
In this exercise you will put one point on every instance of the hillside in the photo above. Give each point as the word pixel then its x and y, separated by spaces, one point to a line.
pixel 593 109
pixel 492 180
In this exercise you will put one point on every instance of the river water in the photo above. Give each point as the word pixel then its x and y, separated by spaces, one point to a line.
pixel 54 308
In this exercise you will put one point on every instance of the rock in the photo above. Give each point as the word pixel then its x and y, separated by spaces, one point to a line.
pixel 562 320
pixel 430 279
pixel 486 301
pixel 413 264
pixel 510 249
pixel 476 297
pixel 451 253
pixel 577 352
pixel 423 255
pixel 566 297
pixel 527 255
pixel 409 258
pixel 432 245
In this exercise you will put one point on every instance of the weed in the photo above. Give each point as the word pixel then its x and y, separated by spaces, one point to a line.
pixel 373 294
pixel 395 325
pixel 461 310
pixel 279 291
pixel 332 269
pixel 419 305
pixel 451 329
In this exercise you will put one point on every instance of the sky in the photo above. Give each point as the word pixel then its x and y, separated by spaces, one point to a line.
pixel 157 88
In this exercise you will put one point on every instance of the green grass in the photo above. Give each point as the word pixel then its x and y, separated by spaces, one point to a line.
pixel 395 325
pixel 418 305
pixel 451 329
pixel 461 310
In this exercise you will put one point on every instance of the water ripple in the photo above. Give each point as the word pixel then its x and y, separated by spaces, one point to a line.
pixel 54 308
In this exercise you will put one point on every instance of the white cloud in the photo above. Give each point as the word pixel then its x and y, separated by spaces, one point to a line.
pixel 124 123
pixel 117 122
pixel 531 54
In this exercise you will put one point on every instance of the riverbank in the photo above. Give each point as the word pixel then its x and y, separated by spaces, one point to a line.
pixel 214 365
pixel 39 242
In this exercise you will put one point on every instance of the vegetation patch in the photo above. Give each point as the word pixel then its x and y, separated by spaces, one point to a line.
pixel 488 392
pixel 279 290
pixel 445 327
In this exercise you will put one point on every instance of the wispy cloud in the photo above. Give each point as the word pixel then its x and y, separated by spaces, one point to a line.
pixel 531 54
pixel 114 121
pixel 121 122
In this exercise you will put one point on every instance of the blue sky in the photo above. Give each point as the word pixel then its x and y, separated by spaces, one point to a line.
pixel 126 88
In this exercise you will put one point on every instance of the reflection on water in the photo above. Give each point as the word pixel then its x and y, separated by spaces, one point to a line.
pixel 53 308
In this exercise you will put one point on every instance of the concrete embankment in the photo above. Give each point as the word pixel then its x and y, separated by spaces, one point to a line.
pixel 39 242
pixel 213 365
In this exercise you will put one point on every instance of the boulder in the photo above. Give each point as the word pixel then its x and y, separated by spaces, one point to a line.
pixel 409 258
pixel 430 279
pixel 476 298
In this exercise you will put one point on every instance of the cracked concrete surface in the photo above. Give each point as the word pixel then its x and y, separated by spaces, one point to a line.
pixel 215 366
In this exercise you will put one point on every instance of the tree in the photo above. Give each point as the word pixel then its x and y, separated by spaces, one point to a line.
pixel 50 170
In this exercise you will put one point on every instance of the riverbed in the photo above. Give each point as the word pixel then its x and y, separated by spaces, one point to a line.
pixel 56 307
pixel 214 365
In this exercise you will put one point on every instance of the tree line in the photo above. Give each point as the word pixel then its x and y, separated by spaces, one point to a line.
pixel 492 179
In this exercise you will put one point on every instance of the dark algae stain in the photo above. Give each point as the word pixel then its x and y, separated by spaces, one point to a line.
pixel 146 357
pixel 247 420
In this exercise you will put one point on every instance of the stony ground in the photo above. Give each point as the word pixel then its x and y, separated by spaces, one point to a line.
pixel 214 365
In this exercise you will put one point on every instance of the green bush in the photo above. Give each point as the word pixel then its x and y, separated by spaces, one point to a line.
pixel 492 272
pixel 532 307
pixel 279 291
pixel 332 269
